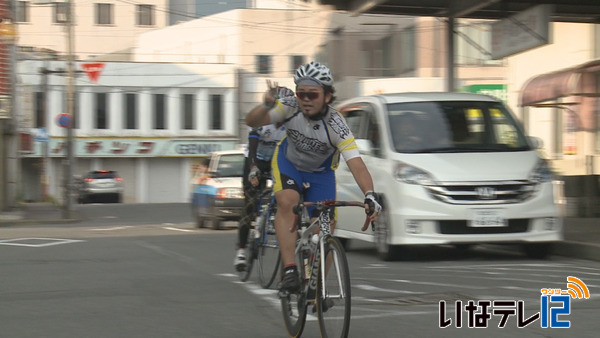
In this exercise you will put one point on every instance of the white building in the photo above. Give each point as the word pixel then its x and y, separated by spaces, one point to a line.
pixel 149 122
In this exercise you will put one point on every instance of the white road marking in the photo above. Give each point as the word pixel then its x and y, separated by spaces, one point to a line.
pixel 111 229
pixel 45 241
pixel 270 296
pixel 177 229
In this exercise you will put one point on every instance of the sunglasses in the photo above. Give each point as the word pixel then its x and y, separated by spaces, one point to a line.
pixel 309 95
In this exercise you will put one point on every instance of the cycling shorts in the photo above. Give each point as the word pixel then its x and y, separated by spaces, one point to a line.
pixel 286 176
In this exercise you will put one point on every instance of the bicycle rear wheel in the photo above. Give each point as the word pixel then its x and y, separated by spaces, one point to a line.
pixel 268 254
pixel 333 305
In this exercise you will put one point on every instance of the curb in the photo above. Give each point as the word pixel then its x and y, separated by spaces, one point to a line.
pixel 11 222
pixel 580 250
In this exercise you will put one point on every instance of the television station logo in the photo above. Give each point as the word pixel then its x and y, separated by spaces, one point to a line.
pixel 554 302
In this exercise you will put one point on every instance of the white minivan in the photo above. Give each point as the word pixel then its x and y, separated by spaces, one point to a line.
pixel 451 168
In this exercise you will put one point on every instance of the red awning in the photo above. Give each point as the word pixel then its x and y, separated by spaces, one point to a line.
pixel 549 87
pixel 562 83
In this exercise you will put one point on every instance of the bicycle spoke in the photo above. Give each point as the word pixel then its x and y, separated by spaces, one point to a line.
pixel 333 296
pixel 268 261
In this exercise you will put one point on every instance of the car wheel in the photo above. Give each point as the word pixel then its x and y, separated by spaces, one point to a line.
pixel 216 223
pixel 118 198
pixel 385 251
pixel 199 221
pixel 537 250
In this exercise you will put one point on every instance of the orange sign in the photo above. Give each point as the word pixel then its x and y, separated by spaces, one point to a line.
pixel 93 70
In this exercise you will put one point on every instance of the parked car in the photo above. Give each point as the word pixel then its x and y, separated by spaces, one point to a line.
pixel 100 184
pixel 452 168
pixel 220 197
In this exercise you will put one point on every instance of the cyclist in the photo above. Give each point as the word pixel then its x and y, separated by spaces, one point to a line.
pixel 257 169
pixel 316 135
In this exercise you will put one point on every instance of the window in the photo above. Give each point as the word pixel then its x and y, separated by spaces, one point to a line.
pixel 60 12
pixel 474 44
pixel 297 61
pixel 104 14
pixel 40 121
pixel 216 113
pixel 263 64
pixel 101 112
pixel 159 111
pixel 130 111
pixel 76 114
pixel 75 119
pixel 187 111
pixel 145 15
pixel 22 11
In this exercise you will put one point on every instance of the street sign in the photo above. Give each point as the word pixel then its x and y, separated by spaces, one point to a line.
pixel 93 70
pixel 64 120
pixel 40 135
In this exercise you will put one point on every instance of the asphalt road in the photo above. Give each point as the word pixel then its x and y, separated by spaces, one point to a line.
pixel 134 271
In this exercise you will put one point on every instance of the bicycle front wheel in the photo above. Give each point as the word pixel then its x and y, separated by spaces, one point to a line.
pixel 293 308
pixel 251 252
pixel 333 299
pixel 268 256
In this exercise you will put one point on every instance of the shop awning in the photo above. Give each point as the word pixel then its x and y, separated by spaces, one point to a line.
pixel 562 83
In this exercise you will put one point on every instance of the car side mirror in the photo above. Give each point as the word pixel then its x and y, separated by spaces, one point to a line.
pixel 365 147
pixel 535 142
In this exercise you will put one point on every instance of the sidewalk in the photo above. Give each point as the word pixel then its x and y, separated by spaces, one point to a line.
pixel 581 235
pixel 37 213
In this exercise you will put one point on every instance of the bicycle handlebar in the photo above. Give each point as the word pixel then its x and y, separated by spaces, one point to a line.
pixel 322 205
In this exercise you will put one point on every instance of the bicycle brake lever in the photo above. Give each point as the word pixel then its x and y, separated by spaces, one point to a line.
pixel 366 225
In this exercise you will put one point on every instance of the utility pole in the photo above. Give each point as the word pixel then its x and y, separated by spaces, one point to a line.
pixel 44 124
pixel 70 111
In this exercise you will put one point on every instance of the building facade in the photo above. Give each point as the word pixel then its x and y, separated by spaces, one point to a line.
pixel 8 138
pixel 102 29
pixel 149 122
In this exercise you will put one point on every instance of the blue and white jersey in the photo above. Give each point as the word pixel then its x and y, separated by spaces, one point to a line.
pixel 314 145
pixel 268 137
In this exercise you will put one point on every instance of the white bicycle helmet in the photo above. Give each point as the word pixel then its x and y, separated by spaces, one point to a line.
pixel 314 71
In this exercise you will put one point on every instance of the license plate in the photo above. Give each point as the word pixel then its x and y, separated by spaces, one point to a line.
pixel 488 218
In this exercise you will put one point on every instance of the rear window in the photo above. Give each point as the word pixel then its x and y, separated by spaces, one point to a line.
pixel 102 174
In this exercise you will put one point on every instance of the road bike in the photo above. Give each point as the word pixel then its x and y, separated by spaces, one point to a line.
pixel 262 243
pixel 324 273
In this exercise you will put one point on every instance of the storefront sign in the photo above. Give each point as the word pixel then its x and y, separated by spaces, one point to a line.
pixel 134 147
pixel 498 91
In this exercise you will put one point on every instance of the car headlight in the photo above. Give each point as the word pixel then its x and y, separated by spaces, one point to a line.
pixel 230 193
pixel 412 175
pixel 542 172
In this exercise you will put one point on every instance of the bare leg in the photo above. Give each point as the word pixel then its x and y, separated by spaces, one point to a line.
pixel 284 219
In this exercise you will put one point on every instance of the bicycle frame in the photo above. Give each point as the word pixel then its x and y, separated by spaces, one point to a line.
pixel 323 222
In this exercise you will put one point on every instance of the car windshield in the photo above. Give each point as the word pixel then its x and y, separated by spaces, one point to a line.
pixel 231 166
pixel 454 126
pixel 102 175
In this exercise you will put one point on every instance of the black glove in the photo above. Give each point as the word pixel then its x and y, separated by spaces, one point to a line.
pixel 372 200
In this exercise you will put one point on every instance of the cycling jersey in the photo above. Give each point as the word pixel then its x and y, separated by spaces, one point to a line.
pixel 314 145
pixel 268 136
